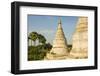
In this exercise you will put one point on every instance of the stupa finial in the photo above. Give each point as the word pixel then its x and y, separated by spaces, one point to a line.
pixel 59 20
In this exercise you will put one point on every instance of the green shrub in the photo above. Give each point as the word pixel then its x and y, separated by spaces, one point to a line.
pixel 37 52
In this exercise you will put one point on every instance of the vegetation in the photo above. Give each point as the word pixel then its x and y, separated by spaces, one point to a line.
pixel 37 51
pixel 69 47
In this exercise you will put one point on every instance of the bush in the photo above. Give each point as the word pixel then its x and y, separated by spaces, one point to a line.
pixel 37 52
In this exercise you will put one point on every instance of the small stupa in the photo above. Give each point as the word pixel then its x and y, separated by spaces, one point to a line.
pixel 80 39
pixel 59 49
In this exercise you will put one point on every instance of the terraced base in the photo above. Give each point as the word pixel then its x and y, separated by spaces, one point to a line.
pixel 79 54
pixel 71 55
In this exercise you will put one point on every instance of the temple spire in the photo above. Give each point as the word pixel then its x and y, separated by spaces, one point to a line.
pixel 59 49
pixel 59 22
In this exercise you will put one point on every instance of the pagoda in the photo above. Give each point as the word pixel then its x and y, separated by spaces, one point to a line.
pixel 59 49
pixel 80 39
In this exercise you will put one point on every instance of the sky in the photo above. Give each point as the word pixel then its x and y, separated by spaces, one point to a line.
pixel 47 26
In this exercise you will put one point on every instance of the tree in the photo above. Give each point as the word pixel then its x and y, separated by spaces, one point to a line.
pixel 48 46
pixel 28 41
pixel 38 52
pixel 33 36
pixel 34 53
pixel 41 39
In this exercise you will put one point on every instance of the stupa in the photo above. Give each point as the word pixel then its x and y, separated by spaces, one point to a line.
pixel 80 39
pixel 59 49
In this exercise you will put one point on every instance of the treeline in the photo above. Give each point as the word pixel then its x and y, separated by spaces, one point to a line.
pixel 37 46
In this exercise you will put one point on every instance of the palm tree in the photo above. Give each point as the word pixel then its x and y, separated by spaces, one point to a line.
pixel 29 38
pixel 41 39
pixel 33 36
pixel 28 41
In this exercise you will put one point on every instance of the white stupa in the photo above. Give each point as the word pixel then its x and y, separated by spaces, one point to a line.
pixel 80 39
pixel 59 49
